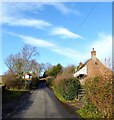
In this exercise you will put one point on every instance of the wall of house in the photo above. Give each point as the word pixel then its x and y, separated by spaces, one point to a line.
pixel 0 79
pixel 82 71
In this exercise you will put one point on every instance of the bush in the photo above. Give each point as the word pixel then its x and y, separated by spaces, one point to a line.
pixel 11 81
pixel 61 77
pixel 35 82
pixel 50 81
pixel 54 71
pixel 99 93
pixel 69 88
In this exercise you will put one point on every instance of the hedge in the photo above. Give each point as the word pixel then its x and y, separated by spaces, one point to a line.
pixel 69 88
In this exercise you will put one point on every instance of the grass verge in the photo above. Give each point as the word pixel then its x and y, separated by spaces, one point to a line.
pixel 9 95
pixel 89 112
pixel 58 95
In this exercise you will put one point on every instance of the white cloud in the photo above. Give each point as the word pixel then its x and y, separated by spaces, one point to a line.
pixel 103 46
pixel 13 21
pixel 64 51
pixel 40 24
pixel 33 41
pixel 37 42
pixel 13 15
pixel 63 8
pixel 19 8
pixel 64 33
pixel 69 53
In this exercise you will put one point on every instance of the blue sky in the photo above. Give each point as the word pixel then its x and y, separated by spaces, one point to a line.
pixel 62 32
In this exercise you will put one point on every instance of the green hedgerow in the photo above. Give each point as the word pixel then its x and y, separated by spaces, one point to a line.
pixel 69 88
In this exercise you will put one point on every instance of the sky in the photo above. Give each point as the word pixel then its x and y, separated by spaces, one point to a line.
pixel 63 33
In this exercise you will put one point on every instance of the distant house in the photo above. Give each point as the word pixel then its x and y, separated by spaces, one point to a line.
pixel 93 67
pixel 27 76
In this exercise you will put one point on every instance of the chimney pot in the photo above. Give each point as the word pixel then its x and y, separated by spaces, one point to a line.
pixel 93 54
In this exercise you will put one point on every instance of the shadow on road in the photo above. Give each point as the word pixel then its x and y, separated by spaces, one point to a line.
pixel 19 104
pixel 42 84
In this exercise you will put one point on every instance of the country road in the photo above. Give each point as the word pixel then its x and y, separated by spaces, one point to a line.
pixel 43 104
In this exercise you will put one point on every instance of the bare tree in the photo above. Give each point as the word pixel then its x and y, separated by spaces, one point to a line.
pixel 22 61
pixel 47 66
pixel 28 52
pixel 69 69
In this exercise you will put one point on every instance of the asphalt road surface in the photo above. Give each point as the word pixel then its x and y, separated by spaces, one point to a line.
pixel 43 104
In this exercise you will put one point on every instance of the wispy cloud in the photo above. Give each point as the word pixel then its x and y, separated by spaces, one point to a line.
pixel 40 24
pixel 102 52
pixel 33 41
pixel 14 14
pixel 13 21
pixel 20 8
pixel 37 42
pixel 63 8
pixel 64 33
pixel 68 52
pixel 39 6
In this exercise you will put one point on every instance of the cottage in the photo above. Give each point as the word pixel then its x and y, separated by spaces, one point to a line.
pixel 93 67
pixel 27 76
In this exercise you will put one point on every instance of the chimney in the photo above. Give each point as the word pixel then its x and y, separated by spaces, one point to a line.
pixel 93 54
pixel 80 64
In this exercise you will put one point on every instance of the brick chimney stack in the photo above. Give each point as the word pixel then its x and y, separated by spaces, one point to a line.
pixel 80 64
pixel 93 54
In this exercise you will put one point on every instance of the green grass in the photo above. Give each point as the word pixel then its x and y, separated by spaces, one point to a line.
pixel 58 95
pixel 89 112
pixel 9 95
pixel 1 84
